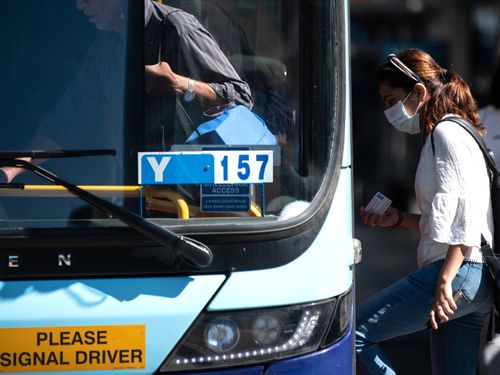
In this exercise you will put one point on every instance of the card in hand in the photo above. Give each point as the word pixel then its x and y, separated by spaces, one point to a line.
pixel 378 204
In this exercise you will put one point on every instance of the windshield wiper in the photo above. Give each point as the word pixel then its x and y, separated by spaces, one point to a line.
pixel 188 249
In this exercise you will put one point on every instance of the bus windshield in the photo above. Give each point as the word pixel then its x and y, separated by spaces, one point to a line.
pixel 198 105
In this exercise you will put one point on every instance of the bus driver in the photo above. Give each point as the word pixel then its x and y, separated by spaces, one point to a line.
pixel 186 72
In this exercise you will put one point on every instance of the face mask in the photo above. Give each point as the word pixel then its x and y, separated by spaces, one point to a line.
pixel 401 120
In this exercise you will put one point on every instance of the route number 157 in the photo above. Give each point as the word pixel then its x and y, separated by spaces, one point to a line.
pixel 244 167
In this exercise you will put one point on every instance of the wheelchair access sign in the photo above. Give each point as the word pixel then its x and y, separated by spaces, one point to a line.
pixel 225 197
pixel 205 167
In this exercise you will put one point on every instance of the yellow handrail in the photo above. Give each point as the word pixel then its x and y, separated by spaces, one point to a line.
pixel 60 191
pixel 156 198
pixel 152 194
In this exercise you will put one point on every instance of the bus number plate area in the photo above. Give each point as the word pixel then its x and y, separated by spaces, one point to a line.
pixel 205 167
pixel 117 347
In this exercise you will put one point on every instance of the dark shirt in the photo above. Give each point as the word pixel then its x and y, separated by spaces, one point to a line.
pixel 190 48
pixel 96 95
pixel 178 38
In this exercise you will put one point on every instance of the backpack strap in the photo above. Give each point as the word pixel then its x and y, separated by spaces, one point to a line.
pixel 490 161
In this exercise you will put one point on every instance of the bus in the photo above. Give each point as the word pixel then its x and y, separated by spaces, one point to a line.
pixel 128 248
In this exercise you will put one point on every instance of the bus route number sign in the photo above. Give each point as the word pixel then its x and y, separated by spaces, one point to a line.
pixel 205 167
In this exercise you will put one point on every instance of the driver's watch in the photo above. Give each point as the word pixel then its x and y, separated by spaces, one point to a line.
pixel 189 94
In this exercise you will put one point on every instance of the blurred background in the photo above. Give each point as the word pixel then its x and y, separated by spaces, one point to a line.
pixel 463 36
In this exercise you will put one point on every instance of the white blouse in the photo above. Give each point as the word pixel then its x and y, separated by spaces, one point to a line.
pixel 453 193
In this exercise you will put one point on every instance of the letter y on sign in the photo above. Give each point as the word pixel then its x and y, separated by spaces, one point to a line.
pixel 158 168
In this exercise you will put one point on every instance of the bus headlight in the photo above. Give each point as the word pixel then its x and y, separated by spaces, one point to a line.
pixel 220 339
pixel 221 335
pixel 266 330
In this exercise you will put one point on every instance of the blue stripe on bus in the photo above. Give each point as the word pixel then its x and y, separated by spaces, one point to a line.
pixel 166 305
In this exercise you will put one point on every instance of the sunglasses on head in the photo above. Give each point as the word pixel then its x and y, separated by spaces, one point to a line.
pixel 399 65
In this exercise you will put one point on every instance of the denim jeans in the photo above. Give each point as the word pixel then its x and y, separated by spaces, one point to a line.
pixel 404 308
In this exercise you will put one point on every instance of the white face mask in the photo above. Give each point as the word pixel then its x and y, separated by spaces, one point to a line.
pixel 401 120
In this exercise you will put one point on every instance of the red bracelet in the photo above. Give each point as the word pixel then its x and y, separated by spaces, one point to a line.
pixel 400 220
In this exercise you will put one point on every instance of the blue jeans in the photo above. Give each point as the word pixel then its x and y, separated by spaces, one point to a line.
pixel 404 308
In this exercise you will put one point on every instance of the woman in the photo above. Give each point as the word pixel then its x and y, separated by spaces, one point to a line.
pixel 451 292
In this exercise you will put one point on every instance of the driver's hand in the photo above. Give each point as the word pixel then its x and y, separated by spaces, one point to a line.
pixel 161 80
pixel 7 174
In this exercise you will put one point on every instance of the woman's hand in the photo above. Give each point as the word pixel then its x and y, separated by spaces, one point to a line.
pixel 444 305
pixel 390 218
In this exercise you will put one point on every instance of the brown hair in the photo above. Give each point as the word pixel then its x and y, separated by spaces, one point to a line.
pixel 449 94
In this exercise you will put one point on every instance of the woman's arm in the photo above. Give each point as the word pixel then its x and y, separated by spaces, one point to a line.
pixel 391 218
pixel 444 306
pixel 410 220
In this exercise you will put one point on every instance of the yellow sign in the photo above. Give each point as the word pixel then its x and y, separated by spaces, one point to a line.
pixel 117 347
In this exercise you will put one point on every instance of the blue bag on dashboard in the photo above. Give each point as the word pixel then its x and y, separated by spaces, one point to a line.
pixel 234 126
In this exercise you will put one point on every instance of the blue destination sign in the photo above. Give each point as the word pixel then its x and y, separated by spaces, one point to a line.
pixel 205 167
pixel 175 168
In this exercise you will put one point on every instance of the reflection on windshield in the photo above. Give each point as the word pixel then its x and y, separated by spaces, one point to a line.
pixel 202 60
pixel 69 63
pixel 86 107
